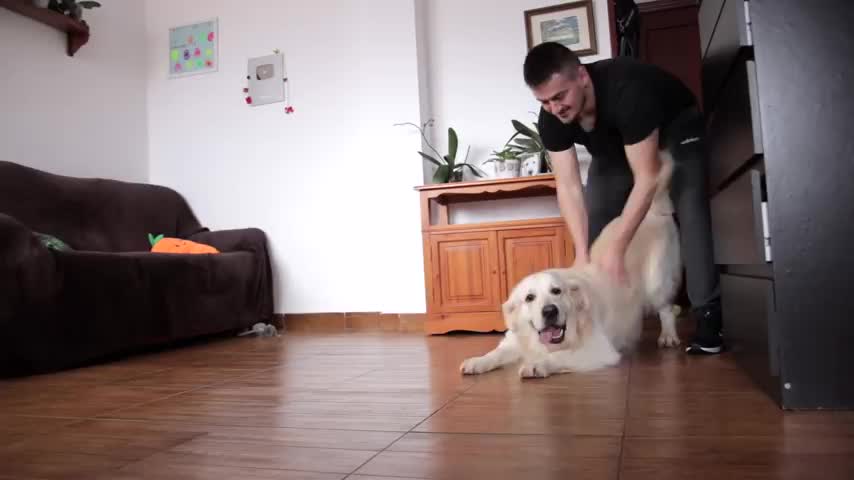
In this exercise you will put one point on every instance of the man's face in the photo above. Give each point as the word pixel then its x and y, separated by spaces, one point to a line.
pixel 562 96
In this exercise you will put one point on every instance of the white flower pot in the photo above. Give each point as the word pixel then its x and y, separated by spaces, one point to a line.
pixel 531 166
pixel 507 168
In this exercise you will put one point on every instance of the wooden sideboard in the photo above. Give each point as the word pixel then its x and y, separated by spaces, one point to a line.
pixel 470 268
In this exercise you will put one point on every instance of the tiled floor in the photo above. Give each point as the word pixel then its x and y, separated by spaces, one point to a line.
pixel 329 406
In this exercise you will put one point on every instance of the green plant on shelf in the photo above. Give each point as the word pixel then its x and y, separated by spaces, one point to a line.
pixel 447 167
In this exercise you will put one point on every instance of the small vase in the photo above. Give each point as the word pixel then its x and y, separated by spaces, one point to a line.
pixel 507 168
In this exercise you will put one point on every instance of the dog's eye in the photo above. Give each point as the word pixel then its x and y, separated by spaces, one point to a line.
pixel 555 291
pixel 530 298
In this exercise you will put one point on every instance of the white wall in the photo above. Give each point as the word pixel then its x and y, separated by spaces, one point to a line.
pixel 82 115
pixel 331 184
pixel 476 50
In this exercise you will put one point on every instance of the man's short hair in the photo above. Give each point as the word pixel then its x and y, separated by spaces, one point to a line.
pixel 546 59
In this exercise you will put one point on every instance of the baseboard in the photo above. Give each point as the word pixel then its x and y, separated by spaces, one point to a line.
pixel 351 322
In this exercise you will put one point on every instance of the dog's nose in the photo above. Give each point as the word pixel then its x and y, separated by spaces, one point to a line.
pixel 549 312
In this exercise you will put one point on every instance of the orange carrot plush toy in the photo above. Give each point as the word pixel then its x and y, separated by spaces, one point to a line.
pixel 161 244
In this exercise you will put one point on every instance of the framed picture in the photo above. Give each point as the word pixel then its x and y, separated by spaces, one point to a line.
pixel 571 24
pixel 194 48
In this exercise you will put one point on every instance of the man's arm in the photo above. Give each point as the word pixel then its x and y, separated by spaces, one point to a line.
pixel 570 200
pixel 645 164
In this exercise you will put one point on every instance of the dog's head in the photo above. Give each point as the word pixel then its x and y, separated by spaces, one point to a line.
pixel 551 306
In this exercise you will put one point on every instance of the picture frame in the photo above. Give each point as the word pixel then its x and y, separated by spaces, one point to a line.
pixel 194 48
pixel 571 24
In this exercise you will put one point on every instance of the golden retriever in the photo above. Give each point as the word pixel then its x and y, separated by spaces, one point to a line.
pixel 576 319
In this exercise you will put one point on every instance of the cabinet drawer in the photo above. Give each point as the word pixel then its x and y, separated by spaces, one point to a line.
pixel 750 328
pixel 731 33
pixel 739 222
pixel 735 130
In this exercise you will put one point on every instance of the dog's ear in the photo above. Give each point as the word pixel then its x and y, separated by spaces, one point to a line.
pixel 575 291
pixel 509 308
pixel 583 324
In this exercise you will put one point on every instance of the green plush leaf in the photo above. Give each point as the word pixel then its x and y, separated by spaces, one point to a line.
pixel 53 243
pixel 153 240
pixel 430 159
pixel 442 174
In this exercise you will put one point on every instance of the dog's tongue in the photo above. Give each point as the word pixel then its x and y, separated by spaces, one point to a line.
pixel 548 333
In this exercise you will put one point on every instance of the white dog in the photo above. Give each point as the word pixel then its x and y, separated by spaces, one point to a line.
pixel 577 319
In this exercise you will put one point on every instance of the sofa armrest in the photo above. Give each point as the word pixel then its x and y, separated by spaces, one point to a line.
pixel 247 239
pixel 251 240
pixel 27 268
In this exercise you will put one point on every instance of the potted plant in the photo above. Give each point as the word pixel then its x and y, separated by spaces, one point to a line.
pixel 507 162
pixel 448 170
pixel 72 8
pixel 529 143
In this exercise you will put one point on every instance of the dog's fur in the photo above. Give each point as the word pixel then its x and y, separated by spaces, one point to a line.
pixel 601 320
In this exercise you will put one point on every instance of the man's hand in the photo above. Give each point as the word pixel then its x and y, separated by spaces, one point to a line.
pixel 571 200
pixel 613 262
pixel 645 164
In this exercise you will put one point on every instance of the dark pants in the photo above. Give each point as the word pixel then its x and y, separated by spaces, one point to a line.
pixel 609 182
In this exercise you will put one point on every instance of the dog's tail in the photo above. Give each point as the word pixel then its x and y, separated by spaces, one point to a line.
pixel 661 203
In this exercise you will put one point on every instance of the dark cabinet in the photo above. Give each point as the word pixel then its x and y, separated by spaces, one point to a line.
pixel 776 84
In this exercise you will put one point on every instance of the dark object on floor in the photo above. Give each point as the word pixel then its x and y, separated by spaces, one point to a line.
pixel 108 294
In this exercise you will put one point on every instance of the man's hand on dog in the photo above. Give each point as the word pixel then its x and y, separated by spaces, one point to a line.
pixel 613 262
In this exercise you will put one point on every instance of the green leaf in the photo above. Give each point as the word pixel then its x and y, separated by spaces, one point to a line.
pixel 528 143
pixel 442 174
pixel 89 4
pixel 452 146
pixel 430 159
pixel 524 129
pixel 474 170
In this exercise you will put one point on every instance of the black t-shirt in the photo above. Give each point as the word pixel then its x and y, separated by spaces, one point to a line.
pixel 632 100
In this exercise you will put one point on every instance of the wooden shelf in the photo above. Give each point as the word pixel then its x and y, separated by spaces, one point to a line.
pixel 76 30
pixel 492 189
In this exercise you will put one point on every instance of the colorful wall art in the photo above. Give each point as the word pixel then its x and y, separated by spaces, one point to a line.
pixel 194 48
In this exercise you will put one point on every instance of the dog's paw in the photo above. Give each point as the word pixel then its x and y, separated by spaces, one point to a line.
pixel 533 370
pixel 668 340
pixel 475 366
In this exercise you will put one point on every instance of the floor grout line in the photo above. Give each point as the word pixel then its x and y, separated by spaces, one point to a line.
pixel 625 418
pixel 428 417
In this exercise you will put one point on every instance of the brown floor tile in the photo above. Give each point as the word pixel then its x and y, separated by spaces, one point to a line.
pixel 176 468
pixel 318 406
pixel 739 457
pixel 57 465
pixel 551 462
pixel 208 451
pixel 81 401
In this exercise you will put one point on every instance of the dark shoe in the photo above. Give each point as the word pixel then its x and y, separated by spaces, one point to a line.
pixel 708 339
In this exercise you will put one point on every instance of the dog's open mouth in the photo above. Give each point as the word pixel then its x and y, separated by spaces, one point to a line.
pixel 552 334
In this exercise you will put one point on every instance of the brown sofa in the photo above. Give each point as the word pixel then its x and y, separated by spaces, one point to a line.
pixel 109 294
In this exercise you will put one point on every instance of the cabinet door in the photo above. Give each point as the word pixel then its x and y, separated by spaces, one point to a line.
pixel 670 38
pixel 527 251
pixel 465 271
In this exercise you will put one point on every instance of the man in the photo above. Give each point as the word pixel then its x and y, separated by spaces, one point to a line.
pixel 624 112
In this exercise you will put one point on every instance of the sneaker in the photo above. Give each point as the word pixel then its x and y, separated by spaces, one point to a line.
pixel 708 339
